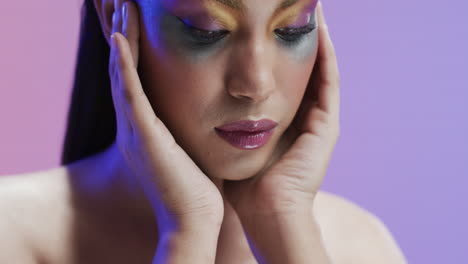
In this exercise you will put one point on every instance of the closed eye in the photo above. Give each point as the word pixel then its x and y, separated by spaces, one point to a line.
pixel 204 36
pixel 293 34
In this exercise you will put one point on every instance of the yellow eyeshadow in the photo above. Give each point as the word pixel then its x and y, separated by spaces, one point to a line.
pixel 225 17
pixel 287 17
pixel 228 18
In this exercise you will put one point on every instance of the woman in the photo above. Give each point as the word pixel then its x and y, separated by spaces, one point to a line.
pixel 199 132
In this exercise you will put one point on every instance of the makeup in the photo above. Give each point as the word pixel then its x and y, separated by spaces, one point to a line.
pixel 203 29
pixel 303 47
pixel 178 35
pixel 247 134
pixel 246 140
pixel 227 17
pixel 290 15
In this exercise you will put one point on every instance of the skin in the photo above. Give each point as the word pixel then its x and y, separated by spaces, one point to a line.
pixel 260 81
pixel 235 79
pixel 285 233
pixel 258 87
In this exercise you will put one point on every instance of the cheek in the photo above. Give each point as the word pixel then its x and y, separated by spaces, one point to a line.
pixel 167 58
pixel 174 84
pixel 174 77
pixel 171 82
pixel 307 48
pixel 293 77
pixel 304 50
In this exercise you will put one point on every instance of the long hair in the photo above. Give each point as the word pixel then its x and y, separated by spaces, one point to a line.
pixel 91 123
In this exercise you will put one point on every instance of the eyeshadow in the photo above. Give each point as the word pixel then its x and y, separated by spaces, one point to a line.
pixel 223 15
pixel 303 48
pixel 291 15
pixel 176 37
pixel 203 22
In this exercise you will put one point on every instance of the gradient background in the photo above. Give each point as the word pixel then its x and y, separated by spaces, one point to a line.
pixel 403 149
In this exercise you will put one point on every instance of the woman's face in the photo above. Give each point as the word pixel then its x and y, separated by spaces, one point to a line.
pixel 254 66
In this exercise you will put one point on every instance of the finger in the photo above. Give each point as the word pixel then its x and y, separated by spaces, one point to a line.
pixel 329 80
pixel 117 17
pixel 175 169
pixel 137 105
pixel 123 123
pixel 118 5
pixel 131 28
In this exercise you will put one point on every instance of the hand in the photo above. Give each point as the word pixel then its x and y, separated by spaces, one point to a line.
pixel 291 183
pixel 181 195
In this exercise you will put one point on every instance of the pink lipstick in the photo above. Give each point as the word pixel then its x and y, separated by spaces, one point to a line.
pixel 247 134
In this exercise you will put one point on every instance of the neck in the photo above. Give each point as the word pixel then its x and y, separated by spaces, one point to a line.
pixel 110 187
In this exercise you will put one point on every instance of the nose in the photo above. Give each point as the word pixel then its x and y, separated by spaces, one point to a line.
pixel 251 72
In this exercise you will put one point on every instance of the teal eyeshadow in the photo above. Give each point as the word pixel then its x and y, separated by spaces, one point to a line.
pixel 177 37
pixel 302 48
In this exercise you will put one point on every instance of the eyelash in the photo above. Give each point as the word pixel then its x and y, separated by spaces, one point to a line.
pixel 287 34
pixel 294 34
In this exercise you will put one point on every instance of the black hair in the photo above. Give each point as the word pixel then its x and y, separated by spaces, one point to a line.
pixel 91 123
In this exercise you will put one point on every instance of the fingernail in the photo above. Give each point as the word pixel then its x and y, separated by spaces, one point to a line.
pixel 124 18
pixel 124 11
pixel 114 18
pixel 113 40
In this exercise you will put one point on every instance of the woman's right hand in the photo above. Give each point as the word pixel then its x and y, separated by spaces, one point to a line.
pixel 182 196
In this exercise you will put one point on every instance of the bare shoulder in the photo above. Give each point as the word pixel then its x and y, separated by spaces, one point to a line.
pixel 28 204
pixel 352 234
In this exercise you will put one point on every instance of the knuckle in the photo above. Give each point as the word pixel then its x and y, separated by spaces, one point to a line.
pixel 326 124
pixel 323 117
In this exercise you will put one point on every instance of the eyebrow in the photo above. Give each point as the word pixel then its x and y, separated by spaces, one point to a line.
pixel 239 5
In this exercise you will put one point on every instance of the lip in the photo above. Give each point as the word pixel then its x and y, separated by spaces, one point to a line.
pixel 249 126
pixel 247 134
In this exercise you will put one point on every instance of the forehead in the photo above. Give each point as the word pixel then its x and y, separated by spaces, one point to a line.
pixel 243 5
pixel 238 6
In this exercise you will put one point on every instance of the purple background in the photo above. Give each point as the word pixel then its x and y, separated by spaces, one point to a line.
pixel 403 151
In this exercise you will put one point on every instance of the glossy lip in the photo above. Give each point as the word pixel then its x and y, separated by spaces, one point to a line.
pixel 249 126
pixel 247 134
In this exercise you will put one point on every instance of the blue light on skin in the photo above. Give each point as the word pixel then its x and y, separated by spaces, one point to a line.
pixel 174 33
pixel 168 31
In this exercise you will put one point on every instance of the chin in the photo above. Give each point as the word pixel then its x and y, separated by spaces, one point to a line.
pixel 237 171
pixel 237 168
